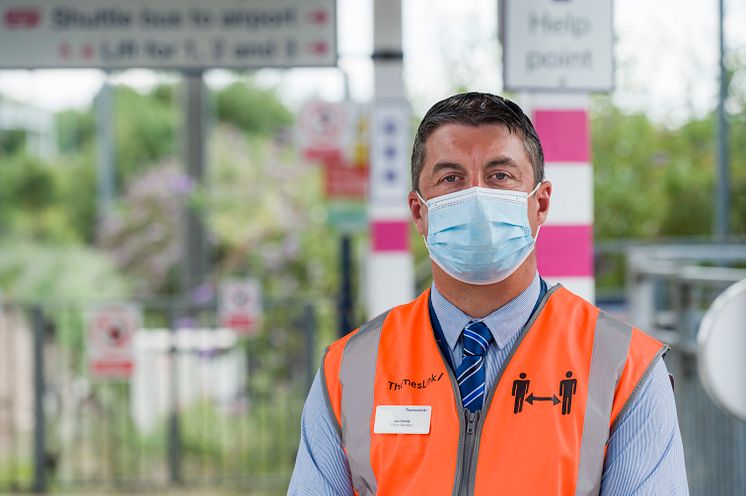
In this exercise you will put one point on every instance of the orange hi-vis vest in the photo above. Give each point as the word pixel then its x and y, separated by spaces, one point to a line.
pixel 545 422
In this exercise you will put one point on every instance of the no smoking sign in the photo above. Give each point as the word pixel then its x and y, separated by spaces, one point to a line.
pixel 241 305
pixel 111 331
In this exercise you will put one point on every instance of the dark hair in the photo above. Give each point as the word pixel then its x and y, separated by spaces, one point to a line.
pixel 477 109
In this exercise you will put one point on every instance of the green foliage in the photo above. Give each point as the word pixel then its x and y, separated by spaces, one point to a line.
pixel 267 214
pixel 28 194
pixel 254 110
pixel 146 130
pixel 653 182
pixel 144 234
pixel 12 142
pixel 37 271
pixel 27 183
pixel 627 183
pixel 77 195
pixel 48 202
pixel 76 130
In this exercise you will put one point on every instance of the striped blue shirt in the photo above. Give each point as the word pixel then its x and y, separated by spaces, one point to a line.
pixel 644 456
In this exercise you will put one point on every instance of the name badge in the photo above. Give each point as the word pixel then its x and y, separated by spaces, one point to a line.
pixel 402 419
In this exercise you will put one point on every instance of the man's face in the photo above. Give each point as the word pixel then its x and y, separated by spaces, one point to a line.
pixel 458 157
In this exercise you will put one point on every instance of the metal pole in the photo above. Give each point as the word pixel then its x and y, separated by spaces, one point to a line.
pixel 40 452
pixel 345 303
pixel 722 191
pixel 105 163
pixel 194 269
pixel 174 421
pixel 345 291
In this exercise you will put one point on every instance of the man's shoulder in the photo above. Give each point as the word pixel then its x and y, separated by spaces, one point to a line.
pixel 376 323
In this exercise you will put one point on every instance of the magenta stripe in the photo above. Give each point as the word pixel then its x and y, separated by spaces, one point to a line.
pixel 390 235
pixel 563 134
pixel 565 251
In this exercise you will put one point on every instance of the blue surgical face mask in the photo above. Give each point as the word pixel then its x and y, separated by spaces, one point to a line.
pixel 479 235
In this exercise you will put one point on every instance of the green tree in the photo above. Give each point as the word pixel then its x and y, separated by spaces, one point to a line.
pixel 256 111
pixel 146 130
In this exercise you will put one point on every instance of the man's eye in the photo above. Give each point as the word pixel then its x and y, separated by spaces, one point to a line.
pixel 449 179
pixel 500 176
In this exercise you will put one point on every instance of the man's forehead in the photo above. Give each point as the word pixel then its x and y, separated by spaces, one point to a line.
pixel 504 144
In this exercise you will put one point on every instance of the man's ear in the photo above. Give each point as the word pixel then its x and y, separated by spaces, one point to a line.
pixel 543 195
pixel 418 212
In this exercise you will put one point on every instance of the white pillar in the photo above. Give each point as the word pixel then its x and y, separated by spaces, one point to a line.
pixel 390 268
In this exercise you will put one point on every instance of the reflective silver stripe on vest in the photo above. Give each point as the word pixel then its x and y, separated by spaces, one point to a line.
pixel 610 347
pixel 358 371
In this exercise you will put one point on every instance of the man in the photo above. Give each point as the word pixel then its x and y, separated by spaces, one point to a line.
pixel 422 399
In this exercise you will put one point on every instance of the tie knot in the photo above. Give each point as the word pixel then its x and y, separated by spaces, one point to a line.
pixel 477 338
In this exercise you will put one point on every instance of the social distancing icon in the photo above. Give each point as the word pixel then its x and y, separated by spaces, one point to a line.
pixel 521 391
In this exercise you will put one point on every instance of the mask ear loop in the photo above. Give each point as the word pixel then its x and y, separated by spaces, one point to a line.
pixel 538 228
pixel 424 237
pixel 535 189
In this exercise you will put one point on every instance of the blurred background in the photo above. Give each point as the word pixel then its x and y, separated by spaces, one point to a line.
pixel 177 247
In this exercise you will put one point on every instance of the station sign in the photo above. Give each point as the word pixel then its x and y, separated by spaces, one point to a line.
pixel 110 340
pixel 167 34
pixel 557 45
pixel 240 305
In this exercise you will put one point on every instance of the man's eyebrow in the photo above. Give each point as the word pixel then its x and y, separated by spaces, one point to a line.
pixel 503 162
pixel 447 165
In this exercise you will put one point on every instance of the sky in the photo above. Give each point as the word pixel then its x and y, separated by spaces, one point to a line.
pixel 665 56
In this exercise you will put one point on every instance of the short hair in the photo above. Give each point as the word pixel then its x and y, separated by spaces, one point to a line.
pixel 477 109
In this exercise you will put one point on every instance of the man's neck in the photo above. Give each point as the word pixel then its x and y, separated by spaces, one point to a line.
pixel 478 301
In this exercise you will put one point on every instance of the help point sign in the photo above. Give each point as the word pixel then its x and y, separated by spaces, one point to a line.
pixel 557 45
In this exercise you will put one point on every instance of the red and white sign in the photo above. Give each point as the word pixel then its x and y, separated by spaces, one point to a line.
pixel 335 134
pixel 345 180
pixel 241 305
pixel 111 330
pixel 326 128
pixel 321 127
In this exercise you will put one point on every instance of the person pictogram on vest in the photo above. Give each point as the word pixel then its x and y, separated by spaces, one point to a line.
pixel 567 389
pixel 520 388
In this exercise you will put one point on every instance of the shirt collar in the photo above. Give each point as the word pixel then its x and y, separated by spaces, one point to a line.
pixel 503 323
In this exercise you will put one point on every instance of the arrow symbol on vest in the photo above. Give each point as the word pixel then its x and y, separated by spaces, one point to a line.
pixel 531 398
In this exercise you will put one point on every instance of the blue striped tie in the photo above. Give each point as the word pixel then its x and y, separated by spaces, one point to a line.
pixel 470 374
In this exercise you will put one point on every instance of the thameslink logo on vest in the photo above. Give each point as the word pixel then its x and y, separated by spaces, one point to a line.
pixel 397 385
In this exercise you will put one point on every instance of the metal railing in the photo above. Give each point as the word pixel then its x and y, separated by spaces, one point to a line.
pixel 213 415
pixel 669 289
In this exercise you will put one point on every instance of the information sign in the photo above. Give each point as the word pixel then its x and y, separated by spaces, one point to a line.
pixel 557 45
pixel 111 330
pixel 167 34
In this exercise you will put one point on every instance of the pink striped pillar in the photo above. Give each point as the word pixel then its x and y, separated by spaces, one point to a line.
pixel 565 244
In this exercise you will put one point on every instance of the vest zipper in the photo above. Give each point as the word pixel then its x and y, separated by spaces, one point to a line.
pixel 470 429
pixel 469 438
